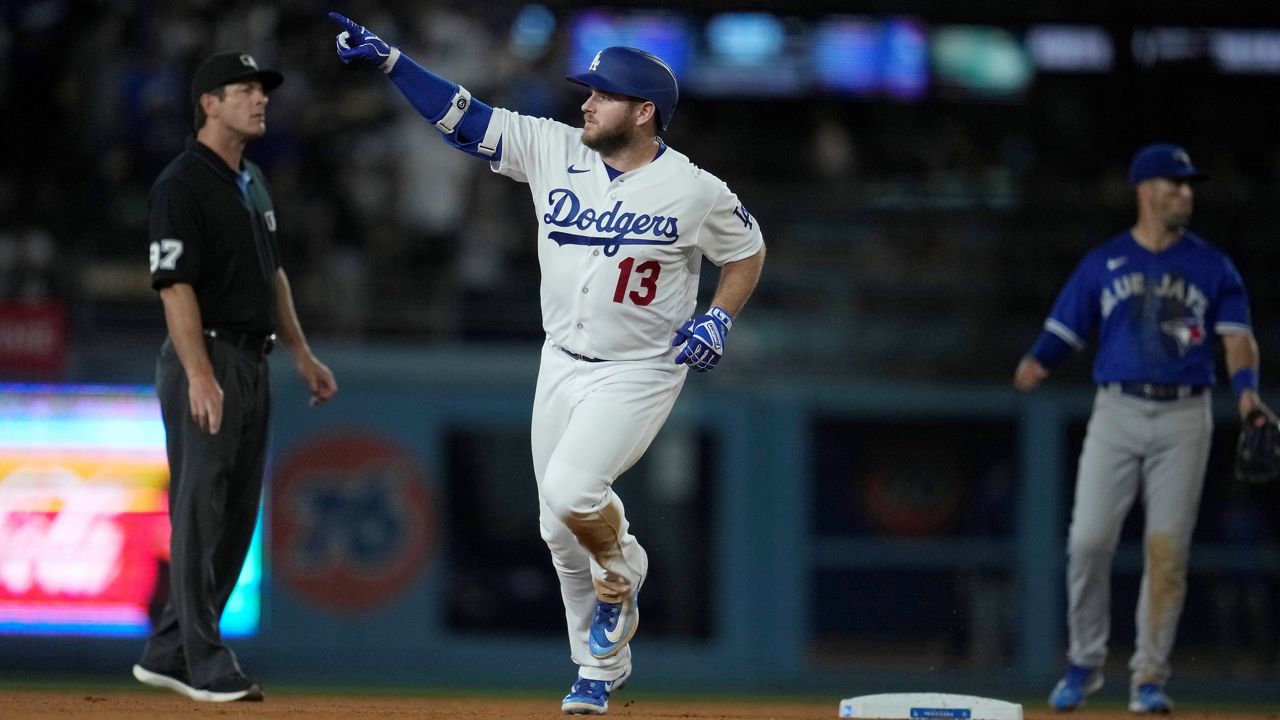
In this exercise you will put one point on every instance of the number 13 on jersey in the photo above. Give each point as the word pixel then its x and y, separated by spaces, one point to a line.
pixel 646 281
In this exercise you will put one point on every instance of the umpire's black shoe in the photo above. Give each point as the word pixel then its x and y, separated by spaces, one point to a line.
pixel 234 687
pixel 229 689
pixel 169 680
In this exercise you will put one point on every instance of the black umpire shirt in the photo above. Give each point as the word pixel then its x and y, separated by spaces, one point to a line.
pixel 215 229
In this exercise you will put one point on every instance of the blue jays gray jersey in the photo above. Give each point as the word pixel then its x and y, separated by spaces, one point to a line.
pixel 620 257
pixel 1154 312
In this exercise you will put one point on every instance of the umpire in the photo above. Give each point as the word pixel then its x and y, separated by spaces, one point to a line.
pixel 216 263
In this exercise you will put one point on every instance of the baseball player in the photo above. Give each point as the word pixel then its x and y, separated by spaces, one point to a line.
pixel 623 224
pixel 1155 294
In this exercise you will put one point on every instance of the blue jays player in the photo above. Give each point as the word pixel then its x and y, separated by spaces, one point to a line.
pixel 1156 294
pixel 624 223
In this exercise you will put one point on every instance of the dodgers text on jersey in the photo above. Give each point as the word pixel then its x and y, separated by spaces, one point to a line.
pixel 614 225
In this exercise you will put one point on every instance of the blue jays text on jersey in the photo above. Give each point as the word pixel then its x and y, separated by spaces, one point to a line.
pixel 1170 286
pixel 567 212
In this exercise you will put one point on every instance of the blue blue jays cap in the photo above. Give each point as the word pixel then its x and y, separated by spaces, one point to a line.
pixel 1163 161
pixel 635 73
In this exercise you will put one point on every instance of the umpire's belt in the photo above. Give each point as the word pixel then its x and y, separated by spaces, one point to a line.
pixel 1154 391
pixel 259 345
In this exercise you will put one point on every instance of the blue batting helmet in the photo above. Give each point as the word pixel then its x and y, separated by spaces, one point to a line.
pixel 636 73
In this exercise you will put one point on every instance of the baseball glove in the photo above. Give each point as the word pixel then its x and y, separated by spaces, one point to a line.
pixel 1258 450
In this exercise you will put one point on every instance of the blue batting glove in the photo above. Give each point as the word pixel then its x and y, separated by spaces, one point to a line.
pixel 703 339
pixel 357 42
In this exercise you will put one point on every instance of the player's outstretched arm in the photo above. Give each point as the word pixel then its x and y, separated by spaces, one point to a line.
pixel 464 122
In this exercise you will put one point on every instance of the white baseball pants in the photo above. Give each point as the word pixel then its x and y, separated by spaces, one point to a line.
pixel 591 422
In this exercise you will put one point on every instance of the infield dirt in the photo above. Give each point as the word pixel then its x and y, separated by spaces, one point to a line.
pixel 146 705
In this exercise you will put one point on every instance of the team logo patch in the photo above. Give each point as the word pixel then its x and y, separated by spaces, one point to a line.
pixel 1186 333
pixel 248 61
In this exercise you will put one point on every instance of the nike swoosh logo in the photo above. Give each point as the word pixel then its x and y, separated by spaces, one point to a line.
pixel 1113 263
pixel 574 171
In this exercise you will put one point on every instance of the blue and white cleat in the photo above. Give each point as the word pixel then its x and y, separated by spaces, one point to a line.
pixel 591 697
pixel 1078 684
pixel 613 626
pixel 1148 699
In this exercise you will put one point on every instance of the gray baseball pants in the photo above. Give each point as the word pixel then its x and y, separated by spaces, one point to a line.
pixel 1162 450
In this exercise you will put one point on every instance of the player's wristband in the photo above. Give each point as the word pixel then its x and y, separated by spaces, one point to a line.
pixel 1244 379
pixel 453 114
pixel 390 63
pixel 720 314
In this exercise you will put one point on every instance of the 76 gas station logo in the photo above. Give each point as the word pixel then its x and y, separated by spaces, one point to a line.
pixel 353 522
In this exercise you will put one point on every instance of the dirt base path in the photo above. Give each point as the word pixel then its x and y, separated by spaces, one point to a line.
pixel 97 704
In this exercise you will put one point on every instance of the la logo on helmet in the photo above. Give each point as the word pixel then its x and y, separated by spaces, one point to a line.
pixel 596 62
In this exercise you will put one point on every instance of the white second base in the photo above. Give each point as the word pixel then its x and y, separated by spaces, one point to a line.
pixel 909 706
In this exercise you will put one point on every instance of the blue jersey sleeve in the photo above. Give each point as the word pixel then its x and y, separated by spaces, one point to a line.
pixel 431 95
pixel 1233 302
pixel 1073 318
pixel 1050 350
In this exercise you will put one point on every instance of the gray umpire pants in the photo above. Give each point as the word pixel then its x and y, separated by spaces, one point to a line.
pixel 1162 450
pixel 215 487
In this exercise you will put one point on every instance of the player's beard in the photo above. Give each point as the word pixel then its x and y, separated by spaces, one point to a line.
pixel 609 141
pixel 1177 219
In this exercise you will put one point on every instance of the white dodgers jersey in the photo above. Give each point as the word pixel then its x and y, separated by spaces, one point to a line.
pixel 620 258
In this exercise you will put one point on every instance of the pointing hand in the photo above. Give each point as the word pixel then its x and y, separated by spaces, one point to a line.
pixel 356 42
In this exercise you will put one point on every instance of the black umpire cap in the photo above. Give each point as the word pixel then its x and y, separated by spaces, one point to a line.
pixel 228 67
